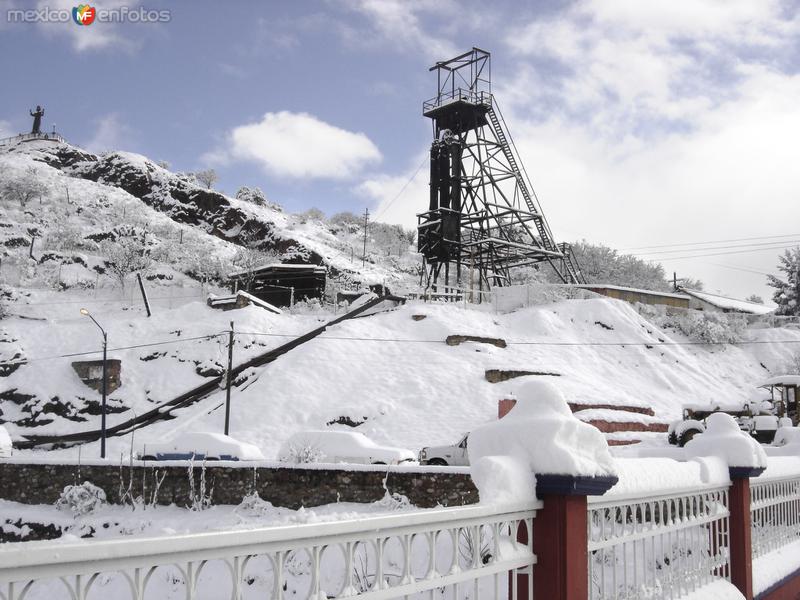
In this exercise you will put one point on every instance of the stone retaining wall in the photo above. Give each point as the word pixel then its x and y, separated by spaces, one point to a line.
pixel 36 483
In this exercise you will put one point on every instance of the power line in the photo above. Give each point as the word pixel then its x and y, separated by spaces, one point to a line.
pixel 74 354
pixel 743 269
pixel 765 237
pixel 781 244
pixel 718 253
pixel 403 189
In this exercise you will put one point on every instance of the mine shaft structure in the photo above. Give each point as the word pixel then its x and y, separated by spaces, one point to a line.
pixel 483 219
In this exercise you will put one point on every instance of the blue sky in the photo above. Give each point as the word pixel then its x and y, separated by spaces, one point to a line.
pixel 641 122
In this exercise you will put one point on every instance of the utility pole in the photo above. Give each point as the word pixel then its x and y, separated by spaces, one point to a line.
pixel 144 294
pixel 366 221
pixel 103 405
pixel 228 382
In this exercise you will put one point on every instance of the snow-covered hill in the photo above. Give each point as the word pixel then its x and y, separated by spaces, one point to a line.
pixel 190 233
pixel 390 374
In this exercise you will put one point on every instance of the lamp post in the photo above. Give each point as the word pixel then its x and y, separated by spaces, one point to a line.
pixel 86 313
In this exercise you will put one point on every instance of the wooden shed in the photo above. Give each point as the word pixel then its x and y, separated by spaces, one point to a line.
pixel 281 284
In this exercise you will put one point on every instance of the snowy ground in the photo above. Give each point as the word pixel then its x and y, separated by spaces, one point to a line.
pixel 392 372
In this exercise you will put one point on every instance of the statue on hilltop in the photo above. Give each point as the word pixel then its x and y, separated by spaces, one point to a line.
pixel 37 119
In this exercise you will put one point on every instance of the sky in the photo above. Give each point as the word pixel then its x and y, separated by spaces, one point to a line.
pixel 642 123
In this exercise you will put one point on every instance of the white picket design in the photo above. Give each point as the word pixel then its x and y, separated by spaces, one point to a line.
pixel 417 553
pixel 659 546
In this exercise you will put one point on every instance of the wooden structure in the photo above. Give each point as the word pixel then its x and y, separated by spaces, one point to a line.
pixel 281 284
pixel 634 295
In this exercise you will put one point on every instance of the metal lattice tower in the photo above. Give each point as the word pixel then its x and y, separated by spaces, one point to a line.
pixel 483 214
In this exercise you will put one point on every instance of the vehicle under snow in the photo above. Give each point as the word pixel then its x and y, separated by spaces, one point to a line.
pixel 340 447
pixel 201 446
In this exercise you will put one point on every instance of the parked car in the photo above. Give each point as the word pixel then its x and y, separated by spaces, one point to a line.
pixel 455 455
pixel 5 443
pixel 340 447
pixel 201 446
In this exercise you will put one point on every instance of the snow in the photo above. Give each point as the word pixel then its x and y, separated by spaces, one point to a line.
pixel 408 387
pixel 779 467
pixel 724 302
pixel 781 380
pixel 723 438
pixel 716 590
pixel 541 433
pixel 503 480
pixel 620 288
pixel 774 566
pixel 206 444
pixel 639 477
pixel 5 443
pixel 339 446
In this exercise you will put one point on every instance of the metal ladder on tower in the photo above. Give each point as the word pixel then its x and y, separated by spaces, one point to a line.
pixel 546 237
pixel 544 234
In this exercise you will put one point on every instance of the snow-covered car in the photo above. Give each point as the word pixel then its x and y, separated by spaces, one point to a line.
pixel 758 419
pixel 201 446
pixel 454 456
pixel 5 443
pixel 340 447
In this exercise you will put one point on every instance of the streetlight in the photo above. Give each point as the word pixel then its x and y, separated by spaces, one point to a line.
pixel 86 313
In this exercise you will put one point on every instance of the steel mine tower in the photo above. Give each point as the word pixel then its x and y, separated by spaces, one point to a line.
pixel 483 216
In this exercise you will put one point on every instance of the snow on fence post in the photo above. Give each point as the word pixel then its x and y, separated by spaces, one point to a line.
pixel 745 459
pixel 509 464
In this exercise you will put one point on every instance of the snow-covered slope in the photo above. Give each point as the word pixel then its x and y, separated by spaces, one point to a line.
pixel 188 230
pixel 396 376
pixel 392 373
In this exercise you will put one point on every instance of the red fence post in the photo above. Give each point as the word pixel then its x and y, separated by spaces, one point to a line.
pixel 560 542
pixel 740 542
pixel 561 538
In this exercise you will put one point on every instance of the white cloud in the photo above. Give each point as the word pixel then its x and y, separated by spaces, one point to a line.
pixel 96 36
pixel 397 23
pixel 398 198
pixel 110 134
pixel 5 129
pixel 645 123
pixel 298 145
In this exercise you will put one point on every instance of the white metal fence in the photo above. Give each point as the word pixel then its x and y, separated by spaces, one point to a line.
pixel 449 554
pixel 775 513
pixel 661 546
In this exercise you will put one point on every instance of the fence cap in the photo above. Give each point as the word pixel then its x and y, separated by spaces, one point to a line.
pixel 574 485
pixel 724 439
pixel 546 440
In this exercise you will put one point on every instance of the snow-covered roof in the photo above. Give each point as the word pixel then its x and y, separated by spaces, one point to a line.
pixel 260 302
pixel 620 288
pixel 781 380
pixel 231 299
pixel 280 267
pixel 724 302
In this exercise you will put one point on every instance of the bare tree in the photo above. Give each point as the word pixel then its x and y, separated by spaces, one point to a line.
pixel 208 177
pixel 24 188
pixel 125 256
pixel 249 257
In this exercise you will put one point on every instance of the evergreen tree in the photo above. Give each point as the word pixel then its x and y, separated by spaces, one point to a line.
pixel 787 288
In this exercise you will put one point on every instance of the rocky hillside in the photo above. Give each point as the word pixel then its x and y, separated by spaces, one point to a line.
pixel 71 201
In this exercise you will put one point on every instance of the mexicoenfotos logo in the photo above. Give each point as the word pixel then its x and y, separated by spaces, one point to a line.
pixel 83 14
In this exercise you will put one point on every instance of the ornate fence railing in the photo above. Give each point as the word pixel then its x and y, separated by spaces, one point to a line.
pixel 423 554
pixel 775 513
pixel 660 546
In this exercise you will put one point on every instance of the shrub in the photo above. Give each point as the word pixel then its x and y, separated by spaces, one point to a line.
pixel 81 499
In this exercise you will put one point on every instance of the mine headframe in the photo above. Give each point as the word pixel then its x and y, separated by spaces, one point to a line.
pixel 482 213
